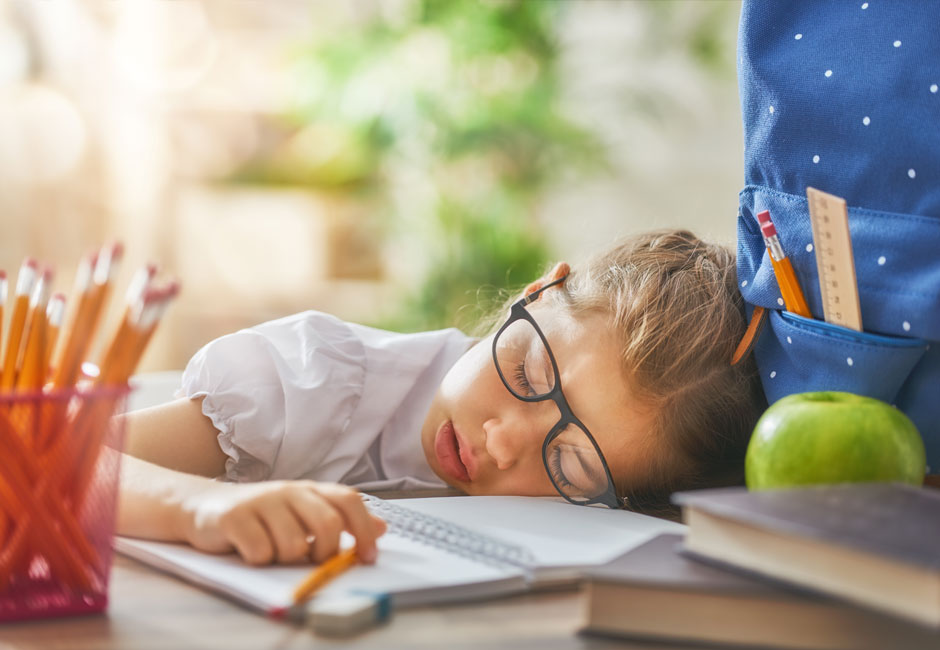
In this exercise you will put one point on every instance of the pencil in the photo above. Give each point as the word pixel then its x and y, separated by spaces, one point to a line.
pixel 32 375
pixel 139 345
pixel 783 270
pixel 103 276
pixel 55 314
pixel 118 364
pixel 24 288
pixel 324 573
pixel 67 358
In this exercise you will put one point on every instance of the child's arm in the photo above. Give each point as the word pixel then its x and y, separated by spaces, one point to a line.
pixel 175 435
pixel 264 522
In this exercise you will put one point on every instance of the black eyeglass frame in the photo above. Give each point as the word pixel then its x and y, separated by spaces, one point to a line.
pixel 518 311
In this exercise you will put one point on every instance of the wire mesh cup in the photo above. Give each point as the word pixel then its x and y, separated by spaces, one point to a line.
pixel 59 474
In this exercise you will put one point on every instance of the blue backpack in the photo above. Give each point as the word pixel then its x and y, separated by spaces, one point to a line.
pixel 843 96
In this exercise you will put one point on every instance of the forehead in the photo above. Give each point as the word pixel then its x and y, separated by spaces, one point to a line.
pixel 588 352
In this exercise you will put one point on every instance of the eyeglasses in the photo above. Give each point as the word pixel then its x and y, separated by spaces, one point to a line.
pixel 527 367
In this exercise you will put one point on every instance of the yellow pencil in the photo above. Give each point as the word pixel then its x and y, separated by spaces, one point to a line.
pixel 25 282
pixel 55 314
pixel 31 374
pixel 790 290
pixel 68 357
pixel 324 573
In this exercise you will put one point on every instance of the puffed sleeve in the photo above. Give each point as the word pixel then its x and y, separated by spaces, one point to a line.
pixel 280 393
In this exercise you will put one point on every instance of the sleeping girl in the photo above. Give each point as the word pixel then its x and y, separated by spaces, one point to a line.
pixel 606 383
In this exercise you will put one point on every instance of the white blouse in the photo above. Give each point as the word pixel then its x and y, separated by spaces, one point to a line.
pixel 312 397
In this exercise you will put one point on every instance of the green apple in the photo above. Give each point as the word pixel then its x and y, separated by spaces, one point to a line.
pixel 832 437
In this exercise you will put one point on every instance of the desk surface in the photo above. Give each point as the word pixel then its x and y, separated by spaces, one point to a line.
pixel 150 610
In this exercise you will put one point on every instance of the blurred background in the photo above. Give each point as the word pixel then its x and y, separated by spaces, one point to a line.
pixel 394 162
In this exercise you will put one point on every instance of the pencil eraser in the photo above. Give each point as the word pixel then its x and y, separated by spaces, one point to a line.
pixel 766 225
pixel 345 614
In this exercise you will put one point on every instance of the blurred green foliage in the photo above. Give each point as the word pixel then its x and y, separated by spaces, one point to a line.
pixel 447 111
pixel 445 114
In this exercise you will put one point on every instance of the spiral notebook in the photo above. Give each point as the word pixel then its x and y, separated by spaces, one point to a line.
pixel 439 549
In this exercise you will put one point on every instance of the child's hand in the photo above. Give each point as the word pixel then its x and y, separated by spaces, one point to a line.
pixel 273 521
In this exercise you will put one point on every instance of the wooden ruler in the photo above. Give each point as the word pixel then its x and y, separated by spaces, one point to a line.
pixel 834 259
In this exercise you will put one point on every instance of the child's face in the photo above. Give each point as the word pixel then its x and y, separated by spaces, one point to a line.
pixel 498 438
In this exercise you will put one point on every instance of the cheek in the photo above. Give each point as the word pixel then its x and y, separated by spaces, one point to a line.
pixel 523 479
pixel 471 378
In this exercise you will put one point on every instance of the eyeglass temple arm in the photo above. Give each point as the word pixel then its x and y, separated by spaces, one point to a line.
pixel 532 297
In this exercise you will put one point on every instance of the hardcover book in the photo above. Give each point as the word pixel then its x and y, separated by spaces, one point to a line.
pixel 656 592
pixel 875 544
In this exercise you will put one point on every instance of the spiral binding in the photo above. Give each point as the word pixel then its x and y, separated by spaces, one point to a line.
pixel 448 536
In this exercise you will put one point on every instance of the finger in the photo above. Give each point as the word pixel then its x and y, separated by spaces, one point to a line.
pixel 379 525
pixel 358 520
pixel 288 532
pixel 322 519
pixel 249 537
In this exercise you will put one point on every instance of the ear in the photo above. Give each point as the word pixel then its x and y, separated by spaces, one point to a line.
pixel 558 271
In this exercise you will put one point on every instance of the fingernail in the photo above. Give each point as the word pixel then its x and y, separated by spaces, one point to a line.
pixel 368 555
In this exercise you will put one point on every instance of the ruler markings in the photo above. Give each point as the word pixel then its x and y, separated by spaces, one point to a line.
pixel 834 260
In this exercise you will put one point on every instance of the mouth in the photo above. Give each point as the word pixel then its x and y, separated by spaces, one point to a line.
pixel 455 459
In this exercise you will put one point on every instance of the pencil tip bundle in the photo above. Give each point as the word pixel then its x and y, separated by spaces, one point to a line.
pixel 37 317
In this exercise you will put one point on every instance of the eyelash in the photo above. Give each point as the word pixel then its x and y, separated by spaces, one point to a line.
pixel 554 464
pixel 522 379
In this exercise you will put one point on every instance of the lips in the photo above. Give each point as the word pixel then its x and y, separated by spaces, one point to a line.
pixel 448 453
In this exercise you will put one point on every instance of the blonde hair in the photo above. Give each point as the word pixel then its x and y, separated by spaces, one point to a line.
pixel 674 299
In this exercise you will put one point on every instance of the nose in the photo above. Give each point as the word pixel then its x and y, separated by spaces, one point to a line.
pixel 518 433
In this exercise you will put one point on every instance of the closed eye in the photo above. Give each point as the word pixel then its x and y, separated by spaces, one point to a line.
pixel 523 381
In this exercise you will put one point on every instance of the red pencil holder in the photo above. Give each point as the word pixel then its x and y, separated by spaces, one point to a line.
pixel 58 493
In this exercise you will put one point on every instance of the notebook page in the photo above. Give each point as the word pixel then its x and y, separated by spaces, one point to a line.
pixel 562 537
pixel 414 573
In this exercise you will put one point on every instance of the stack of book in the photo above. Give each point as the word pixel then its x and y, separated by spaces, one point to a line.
pixel 836 567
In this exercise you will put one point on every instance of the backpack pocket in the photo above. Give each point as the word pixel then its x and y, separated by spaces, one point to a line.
pixel 797 354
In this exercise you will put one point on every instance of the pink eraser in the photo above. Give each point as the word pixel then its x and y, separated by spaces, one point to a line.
pixel 766 225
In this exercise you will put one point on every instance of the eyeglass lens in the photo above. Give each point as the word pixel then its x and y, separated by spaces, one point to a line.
pixel 526 368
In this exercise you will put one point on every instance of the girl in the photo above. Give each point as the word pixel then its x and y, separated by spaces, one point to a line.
pixel 608 383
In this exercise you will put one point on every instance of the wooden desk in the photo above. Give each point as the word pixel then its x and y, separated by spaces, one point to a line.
pixel 151 610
